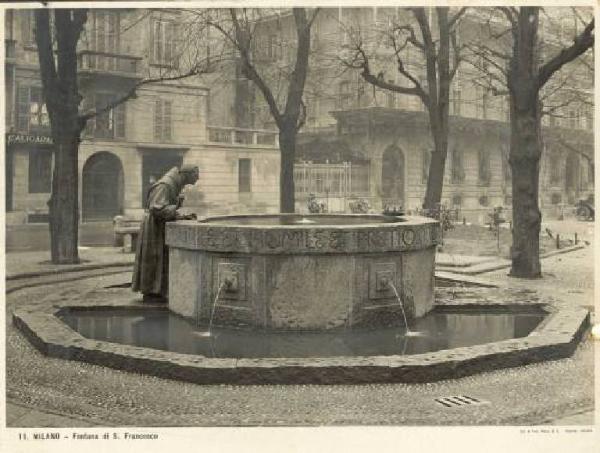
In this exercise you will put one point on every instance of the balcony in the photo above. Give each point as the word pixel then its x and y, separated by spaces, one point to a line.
pixel 10 51
pixel 243 137
pixel 97 63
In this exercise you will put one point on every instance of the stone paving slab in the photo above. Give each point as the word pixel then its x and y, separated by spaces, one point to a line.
pixel 496 263
pixel 31 264
pixel 453 260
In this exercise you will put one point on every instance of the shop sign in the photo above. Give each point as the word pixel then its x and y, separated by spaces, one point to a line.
pixel 27 139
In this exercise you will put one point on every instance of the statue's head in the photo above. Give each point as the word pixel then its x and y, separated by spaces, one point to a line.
pixel 189 173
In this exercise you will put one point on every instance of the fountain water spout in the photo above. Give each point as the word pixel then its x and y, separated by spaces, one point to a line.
pixel 409 333
pixel 225 284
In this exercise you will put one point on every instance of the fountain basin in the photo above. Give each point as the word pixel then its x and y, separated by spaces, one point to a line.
pixel 557 336
pixel 293 272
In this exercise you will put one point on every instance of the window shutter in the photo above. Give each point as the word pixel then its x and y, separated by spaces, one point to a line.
pixel 158 124
pixel 28 27
pixel 120 121
pixel 167 132
pixel 175 45
pixel 151 41
pixel 158 42
pixel 88 102
pixel 23 109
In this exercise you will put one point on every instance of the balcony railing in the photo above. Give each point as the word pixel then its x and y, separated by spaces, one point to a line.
pixel 94 61
pixel 333 180
pixel 238 136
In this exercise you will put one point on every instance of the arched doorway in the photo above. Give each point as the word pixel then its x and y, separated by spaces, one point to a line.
pixel 102 187
pixel 392 176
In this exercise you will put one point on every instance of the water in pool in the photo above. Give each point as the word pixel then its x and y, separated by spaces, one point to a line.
pixel 440 329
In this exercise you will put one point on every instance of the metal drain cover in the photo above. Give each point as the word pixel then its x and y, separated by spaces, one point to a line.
pixel 459 401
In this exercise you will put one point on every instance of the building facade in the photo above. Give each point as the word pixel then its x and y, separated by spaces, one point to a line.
pixel 124 150
pixel 360 142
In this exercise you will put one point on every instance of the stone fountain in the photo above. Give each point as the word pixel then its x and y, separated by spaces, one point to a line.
pixel 293 272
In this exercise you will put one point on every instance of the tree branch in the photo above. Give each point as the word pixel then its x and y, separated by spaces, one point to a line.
pixel 456 17
pixel 581 43
pixel 242 43
pixel 132 92
pixel 48 71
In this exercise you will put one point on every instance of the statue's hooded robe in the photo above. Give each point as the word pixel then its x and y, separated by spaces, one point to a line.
pixel 150 273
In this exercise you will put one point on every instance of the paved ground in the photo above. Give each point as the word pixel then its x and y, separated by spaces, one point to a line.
pixel 41 390
pixel 22 264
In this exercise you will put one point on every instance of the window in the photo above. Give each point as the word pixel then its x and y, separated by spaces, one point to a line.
pixel 273 48
pixel 457 172
pixel 163 43
pixel 554 169
pixel 507 171
pixel 426 165
pixel 361 88
pixel 109 124
pixel 105 38
pixel 588 117
pixel 313 111
pixel 245 175
pixel 162 121
pixel 481 103
pixel 505 108
pixel 484 166
pixel 573 119
pixel 390 98
pixel 32 115
pixel 456 101
pixel 28 27
pixel 344 95
pixel 40 171
pixel 105 33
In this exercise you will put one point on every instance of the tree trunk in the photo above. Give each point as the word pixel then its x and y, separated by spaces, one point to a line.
pixel 525 152
pixel 63 204
pixel 287 145
pixel 437 106
pixel 58 70
pixel 525 147
pixel 435 179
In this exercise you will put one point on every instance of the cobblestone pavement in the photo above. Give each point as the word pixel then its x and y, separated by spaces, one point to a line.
pixel 56 391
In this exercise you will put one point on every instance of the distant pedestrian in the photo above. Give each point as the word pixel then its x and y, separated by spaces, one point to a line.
pixel 150 273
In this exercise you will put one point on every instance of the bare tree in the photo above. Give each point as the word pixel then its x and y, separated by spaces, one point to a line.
pixel 57 53
pixel 519 70
pixel 289 113
pixel 442 57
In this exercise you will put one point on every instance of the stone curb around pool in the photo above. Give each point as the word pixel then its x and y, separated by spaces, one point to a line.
pixel 69 269
pixel 555 338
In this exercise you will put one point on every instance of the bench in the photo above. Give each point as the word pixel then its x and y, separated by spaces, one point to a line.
pixel 126 231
